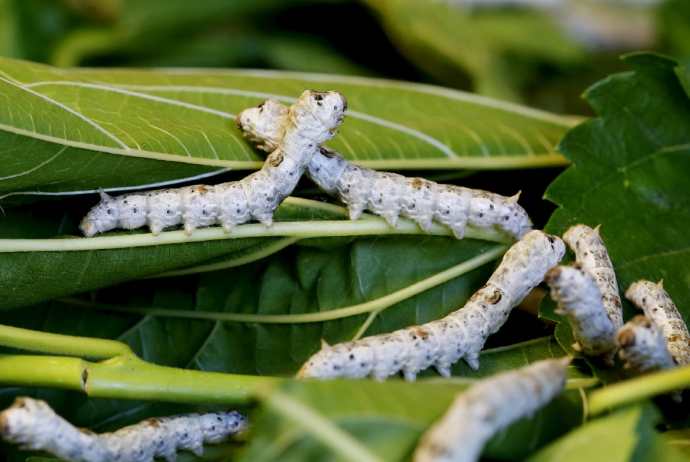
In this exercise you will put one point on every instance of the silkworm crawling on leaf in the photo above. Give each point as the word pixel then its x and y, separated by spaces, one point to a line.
pixel 579 299
pixel 591 252
pixel 388 194
pixel 461 334
pixel 34 425
pixel 643 347
pixel 658 306
pixel 310 121
pixel 489 406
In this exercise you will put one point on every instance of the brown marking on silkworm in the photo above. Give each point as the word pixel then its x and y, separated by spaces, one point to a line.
pixel 275 159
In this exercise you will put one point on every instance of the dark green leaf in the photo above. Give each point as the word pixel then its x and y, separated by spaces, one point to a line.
pixel 630 175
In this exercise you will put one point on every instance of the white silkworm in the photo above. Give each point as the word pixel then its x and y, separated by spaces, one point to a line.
pixel 388 194
pixel 590 251
pixel 643 345
pixel 489 406
pixel 658 306
pixel 34 425
pixel 310 121
pixel 461 334
pixel 576 291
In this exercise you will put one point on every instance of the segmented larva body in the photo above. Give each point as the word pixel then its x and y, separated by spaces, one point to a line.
pixel 643 345
pixel 34 425
pixel 658 306
pixel 310 121
pixel 461 334
pixel 576 291
pixel 489 406
pixel 590 251
pixel 388 194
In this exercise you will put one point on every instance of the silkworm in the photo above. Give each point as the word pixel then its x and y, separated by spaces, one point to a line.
pixel 489 406
pixel 658 306
pixel 643 345
pixel 461 334
pixel 310 121
pixel 576 291
pixel 390 195
pixel 591 252
pixel 34 425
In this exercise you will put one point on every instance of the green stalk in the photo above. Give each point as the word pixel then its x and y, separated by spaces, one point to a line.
pixel 131 378
pixel 638 389
pixel 121 374
pixel 57 344
pixel 42 372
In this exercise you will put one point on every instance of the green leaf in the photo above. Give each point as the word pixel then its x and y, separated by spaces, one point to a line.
pixel 628 434
pixel 68 131
pixel 268 318
pixel 364 420
pixel 629 175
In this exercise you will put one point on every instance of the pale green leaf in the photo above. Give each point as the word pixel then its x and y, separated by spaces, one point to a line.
pixel 67 131
pixel 626 435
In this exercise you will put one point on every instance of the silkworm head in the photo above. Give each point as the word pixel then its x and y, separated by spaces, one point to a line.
pixel 326 106
pixel 258 122
pixel 102 217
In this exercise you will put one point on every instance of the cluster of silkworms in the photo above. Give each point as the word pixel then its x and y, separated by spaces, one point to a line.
pixel 34 425
pixel 586 293
pixel 308 122
pixel 390 195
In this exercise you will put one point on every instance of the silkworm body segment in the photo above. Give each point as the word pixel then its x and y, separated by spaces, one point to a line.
pixel 461 334
pixel 579 299
pixel 390 195
pixel 34 425
pixel 489 406
pixel 658 306
pixel 590 251
pixel 310 121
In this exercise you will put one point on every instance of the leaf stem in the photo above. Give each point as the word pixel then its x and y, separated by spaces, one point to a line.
pixel 367 307
pixel 57 344
pixel 128 377
pixel 42 372
pixel 638 389
pixel 295 229
pixel 121 374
